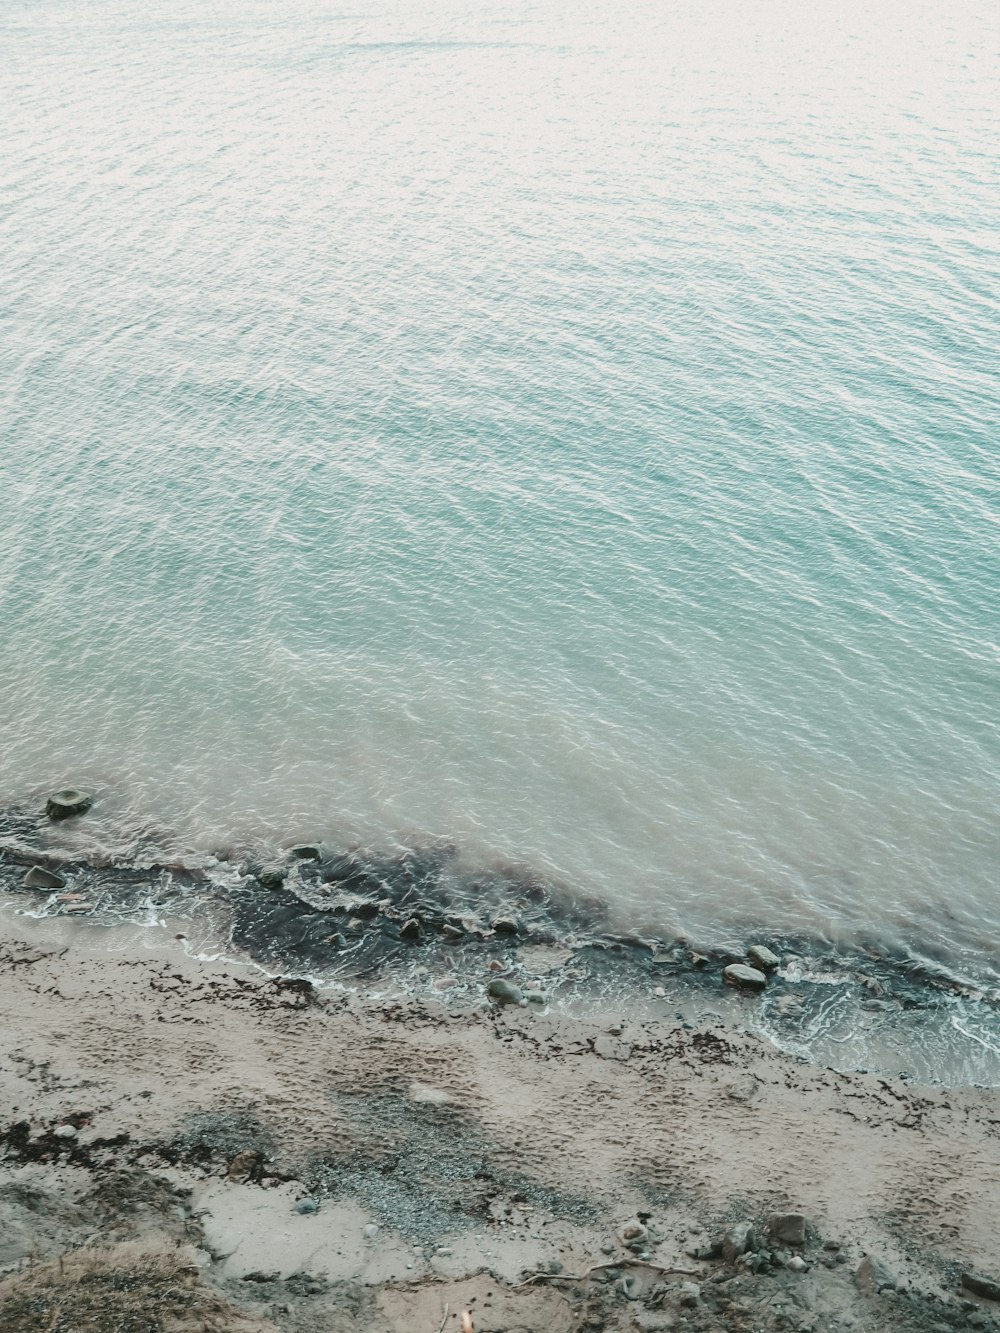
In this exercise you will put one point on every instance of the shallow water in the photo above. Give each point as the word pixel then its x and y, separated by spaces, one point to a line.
pixel 569 434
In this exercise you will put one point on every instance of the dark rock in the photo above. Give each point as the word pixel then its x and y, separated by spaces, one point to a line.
pixel 761 956
pixel 789 1228
pixel 504 992
pixel 306 851
pixel 68 802
pixel 410 930
pixel 746 978
pixel 981 1286
pixel 505 925
pixel 737 1240
pixel 451 932
pixel 39 878
pixel 272 877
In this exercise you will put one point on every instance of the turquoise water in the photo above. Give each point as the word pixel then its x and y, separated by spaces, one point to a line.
pixel 571 431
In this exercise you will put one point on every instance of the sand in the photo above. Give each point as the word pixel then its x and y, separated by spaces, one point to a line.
pixel 333 1161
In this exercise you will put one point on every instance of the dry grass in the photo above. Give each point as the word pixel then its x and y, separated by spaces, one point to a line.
pixel 135 1287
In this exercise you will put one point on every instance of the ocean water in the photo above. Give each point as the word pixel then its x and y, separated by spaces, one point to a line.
pixel 571 431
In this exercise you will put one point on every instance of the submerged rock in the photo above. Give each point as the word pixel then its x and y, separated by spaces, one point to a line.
pixel 746 978
pixel 68 802
pixel 306 851
pixel 272 877
pixel 39 878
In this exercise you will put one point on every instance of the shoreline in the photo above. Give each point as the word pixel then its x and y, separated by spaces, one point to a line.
pixel 345 1161
pixel 411 925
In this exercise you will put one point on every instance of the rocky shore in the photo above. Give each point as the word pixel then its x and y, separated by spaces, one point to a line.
pixel 327 1091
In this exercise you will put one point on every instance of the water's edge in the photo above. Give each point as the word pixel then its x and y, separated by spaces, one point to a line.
pixel 422 921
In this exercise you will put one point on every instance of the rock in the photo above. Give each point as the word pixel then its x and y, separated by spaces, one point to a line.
pixel 410 930
pixel 451 932
pixel 789 1228
pixel 761 956
pixel 690 1294
pixel 306 851
pixel 242 1166
pixel 371 1230
pixel 65 1132
pixel 632 1286
pixel 68 802
pixel 869 1276
pixel 737 1240
pixel 746 978
pixel 797 1264
pixel 305 1206
pixel 505 925
pixel 40 878
pixel 504 992
pixel 981 1286
pixel 633 1235
pixel 536 997
pixel 272 877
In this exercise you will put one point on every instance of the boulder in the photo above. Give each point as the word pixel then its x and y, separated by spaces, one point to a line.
pixel 40 878
pixel 745 978
pixel 68 802
pixel 761 956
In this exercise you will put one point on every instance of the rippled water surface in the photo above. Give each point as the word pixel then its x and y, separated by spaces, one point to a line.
pixel 567 430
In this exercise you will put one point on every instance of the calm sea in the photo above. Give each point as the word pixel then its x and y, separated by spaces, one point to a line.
pixel 571 430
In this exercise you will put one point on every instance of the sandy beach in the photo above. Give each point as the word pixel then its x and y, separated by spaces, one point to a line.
pixel 334 1161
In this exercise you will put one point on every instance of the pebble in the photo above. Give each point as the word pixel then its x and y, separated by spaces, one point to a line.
pixel 746 978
